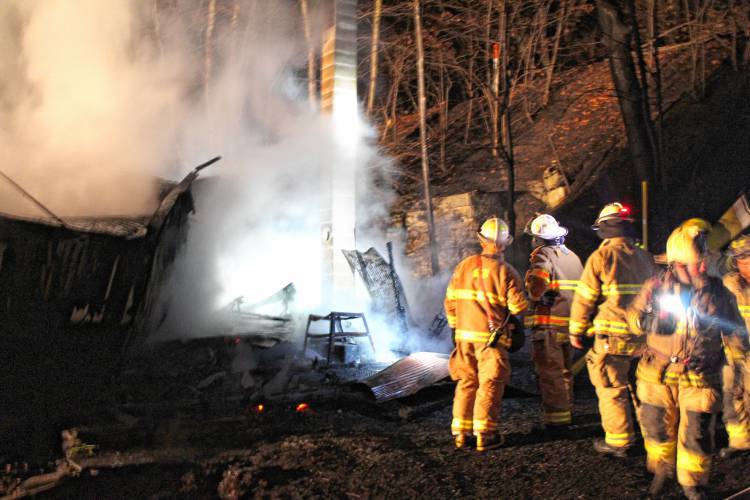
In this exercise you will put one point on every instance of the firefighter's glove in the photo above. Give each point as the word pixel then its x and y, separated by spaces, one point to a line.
pixel 495 329
pixel 548 298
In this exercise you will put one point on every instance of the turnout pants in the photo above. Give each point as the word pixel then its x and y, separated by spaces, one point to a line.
pixel 481 373
pixel 734 392
pixel 610 375
pixel 678 429
pixel 552 361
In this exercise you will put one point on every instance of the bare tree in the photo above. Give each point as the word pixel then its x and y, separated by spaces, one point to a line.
pixel 374 55
pixel 423 137
pixel 311 78
pixel 616 37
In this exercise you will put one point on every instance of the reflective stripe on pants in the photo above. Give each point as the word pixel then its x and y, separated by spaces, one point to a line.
pixel 552 361
pixel 736 418
pixel 609 374
pixel 481 373
pixel 678 427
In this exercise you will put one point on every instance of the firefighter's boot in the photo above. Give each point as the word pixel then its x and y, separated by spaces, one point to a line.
pixel 664 474
pixel 464 441
pixel 601 446
pixel 487 442
pixel 694 493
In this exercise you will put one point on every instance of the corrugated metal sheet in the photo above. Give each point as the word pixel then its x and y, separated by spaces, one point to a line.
pixel 407 376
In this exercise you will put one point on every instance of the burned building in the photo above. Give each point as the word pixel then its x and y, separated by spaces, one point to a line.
pixel 73 295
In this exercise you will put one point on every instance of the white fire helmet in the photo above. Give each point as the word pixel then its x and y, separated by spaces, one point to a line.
pixel 612 211
pixel 546 227
pixel 495 230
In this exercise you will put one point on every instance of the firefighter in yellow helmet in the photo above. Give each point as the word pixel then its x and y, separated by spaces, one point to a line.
pixel 686 315
pixel 483 292
pixel 611 278
pixel 736 379
pixel 551 281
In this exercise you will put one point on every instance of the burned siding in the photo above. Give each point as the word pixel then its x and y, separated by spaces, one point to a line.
pixel 70 296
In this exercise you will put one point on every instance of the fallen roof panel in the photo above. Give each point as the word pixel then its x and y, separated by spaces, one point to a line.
pixel 407 376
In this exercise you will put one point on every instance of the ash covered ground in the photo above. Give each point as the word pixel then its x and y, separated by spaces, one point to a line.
pixel 344 446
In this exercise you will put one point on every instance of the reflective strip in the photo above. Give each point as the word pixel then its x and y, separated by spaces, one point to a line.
pixel 569 285
pixel 451 320
pixel 484 425
pixel 737 431
pixel 545 320
pixel 517 308
pixel 610 326
pixel 476 296
pixel 664 452
pixel 745 312
pixel 577 327
pixel 539 273
pixel 561 337
pixel 692 462
pixel 482 337
pixel 647 373
pixel 621 289
pixel 461 425
pixel 619 440
pixel 559 417
pixel 586 292
pixel 735 355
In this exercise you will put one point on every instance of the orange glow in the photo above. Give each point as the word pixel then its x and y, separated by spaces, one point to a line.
pixel 258 408
pixel 303 407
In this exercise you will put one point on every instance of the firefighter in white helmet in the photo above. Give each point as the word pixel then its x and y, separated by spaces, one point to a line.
pixel 483 292
pixel 611 278
pixel 687 317
pixel 551 281
pixel 736 376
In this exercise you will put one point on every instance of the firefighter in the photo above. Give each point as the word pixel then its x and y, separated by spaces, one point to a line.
pixel 483 292
pixel 611 278
pixel 686 315
pixel 736 379
pixel 550 284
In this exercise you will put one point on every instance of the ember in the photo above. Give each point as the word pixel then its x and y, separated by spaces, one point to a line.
pixel 302 407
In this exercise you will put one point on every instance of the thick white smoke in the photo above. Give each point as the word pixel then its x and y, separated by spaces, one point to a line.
pixel 98 98
pixel 84 101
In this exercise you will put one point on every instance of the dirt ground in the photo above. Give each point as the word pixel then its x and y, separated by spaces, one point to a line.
pixel 342 446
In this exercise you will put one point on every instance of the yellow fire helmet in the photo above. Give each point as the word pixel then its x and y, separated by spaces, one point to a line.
pixel 612 211
pixel 740 248
pixel 495 230
pixel 702 224
pixel 687 245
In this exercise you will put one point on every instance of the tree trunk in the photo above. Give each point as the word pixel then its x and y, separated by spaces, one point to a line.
pixel 374 55
pixel 423 138
pixel 631 13
pixel 507 133
pixel 208 48
pixel 616 37
pixel 565 9
pixel 470 90
pixel 311 78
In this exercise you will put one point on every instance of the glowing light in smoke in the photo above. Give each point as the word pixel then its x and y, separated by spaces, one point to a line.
pixel 302 407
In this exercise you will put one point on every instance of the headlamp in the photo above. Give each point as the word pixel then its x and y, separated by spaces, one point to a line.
pixel 672 304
